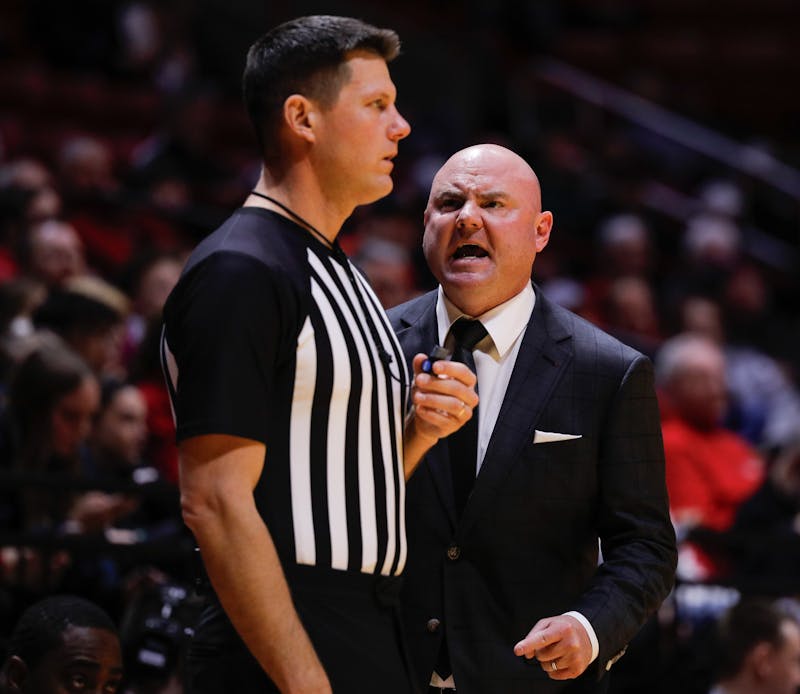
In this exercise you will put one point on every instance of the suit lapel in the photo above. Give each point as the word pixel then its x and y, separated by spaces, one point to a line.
pixel 542 358
pixel 420 335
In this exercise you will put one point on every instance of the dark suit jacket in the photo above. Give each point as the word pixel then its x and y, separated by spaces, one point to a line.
pixel 526 546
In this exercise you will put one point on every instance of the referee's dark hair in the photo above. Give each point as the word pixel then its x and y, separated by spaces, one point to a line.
pixel 41 627
pixel 744 626
pixel 304 56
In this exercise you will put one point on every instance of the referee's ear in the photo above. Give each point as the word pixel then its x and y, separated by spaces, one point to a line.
pixel 300 115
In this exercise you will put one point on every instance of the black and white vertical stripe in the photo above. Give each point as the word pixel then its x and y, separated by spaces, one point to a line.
pixel 346 448
pixel 346 492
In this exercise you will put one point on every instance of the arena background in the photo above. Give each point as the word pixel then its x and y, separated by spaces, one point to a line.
pixel 670 122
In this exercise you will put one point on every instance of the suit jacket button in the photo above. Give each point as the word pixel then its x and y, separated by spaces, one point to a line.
pixel 433 625
pixel 453 552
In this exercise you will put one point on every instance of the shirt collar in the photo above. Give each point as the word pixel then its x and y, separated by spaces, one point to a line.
pixel 504 323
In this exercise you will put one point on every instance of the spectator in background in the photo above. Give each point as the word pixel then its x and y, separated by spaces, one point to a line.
pixel 391 225
pixel 758 651
pixel 710 471
pixel 178 165
pixel 96 204
pixel 31 177
pixel 753 314
pixel 52 253
pixel 89 314
pixel 630 314
pixel 388 268
pixel 114 452
pixel 86 169
pixel 623 248
pixel 120 430
pixel 116 448
pixel 25 173
pixel 764 403
pixel 155 45
pixel 129 503
pixel 769 523
pixel 19 299
pixel 757 324
pixel 52 399
pixel 723 198
pixel 63 644
pixel 153 277
pixel 26 197
pixel 711 249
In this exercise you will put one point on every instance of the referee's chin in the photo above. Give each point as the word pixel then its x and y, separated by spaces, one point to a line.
pixel 379 191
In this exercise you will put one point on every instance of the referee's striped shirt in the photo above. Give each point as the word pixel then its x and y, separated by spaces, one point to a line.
pixel 270 336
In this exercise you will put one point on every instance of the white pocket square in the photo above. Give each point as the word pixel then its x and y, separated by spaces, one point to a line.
pixel 550 436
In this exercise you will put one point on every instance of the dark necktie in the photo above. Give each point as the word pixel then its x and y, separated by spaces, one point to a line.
pixel 464 443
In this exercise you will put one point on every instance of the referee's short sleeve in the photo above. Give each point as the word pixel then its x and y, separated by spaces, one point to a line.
pixel 227 327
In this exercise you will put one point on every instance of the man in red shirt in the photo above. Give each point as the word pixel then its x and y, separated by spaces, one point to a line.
pixel 709 470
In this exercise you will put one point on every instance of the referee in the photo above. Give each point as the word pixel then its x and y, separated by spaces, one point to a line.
pixel 289 388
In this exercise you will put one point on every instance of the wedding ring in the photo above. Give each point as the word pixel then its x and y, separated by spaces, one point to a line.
pixel 553 665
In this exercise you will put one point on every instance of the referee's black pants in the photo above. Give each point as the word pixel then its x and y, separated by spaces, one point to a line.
pixel 352 619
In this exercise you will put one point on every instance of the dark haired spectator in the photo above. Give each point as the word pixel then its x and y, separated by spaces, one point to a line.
pixel 115 457
pixel 31 184
pixel 753 314
pixel 758 650
pixel 152 278
pixel 114 448
pixel 768 525
pixel 52 399
pixel 88 313
pixel 128 504
pixel 116 454
pixel 62 644
pixel 26 197
pixel 120 429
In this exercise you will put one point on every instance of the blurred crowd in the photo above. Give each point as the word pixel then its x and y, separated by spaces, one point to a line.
pixel 119 150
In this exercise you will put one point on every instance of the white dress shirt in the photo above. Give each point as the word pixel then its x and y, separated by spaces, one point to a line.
pixel 495 356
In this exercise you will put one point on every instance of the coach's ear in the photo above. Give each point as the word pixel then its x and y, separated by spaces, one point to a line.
pixel 16 672
pixel 544 225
